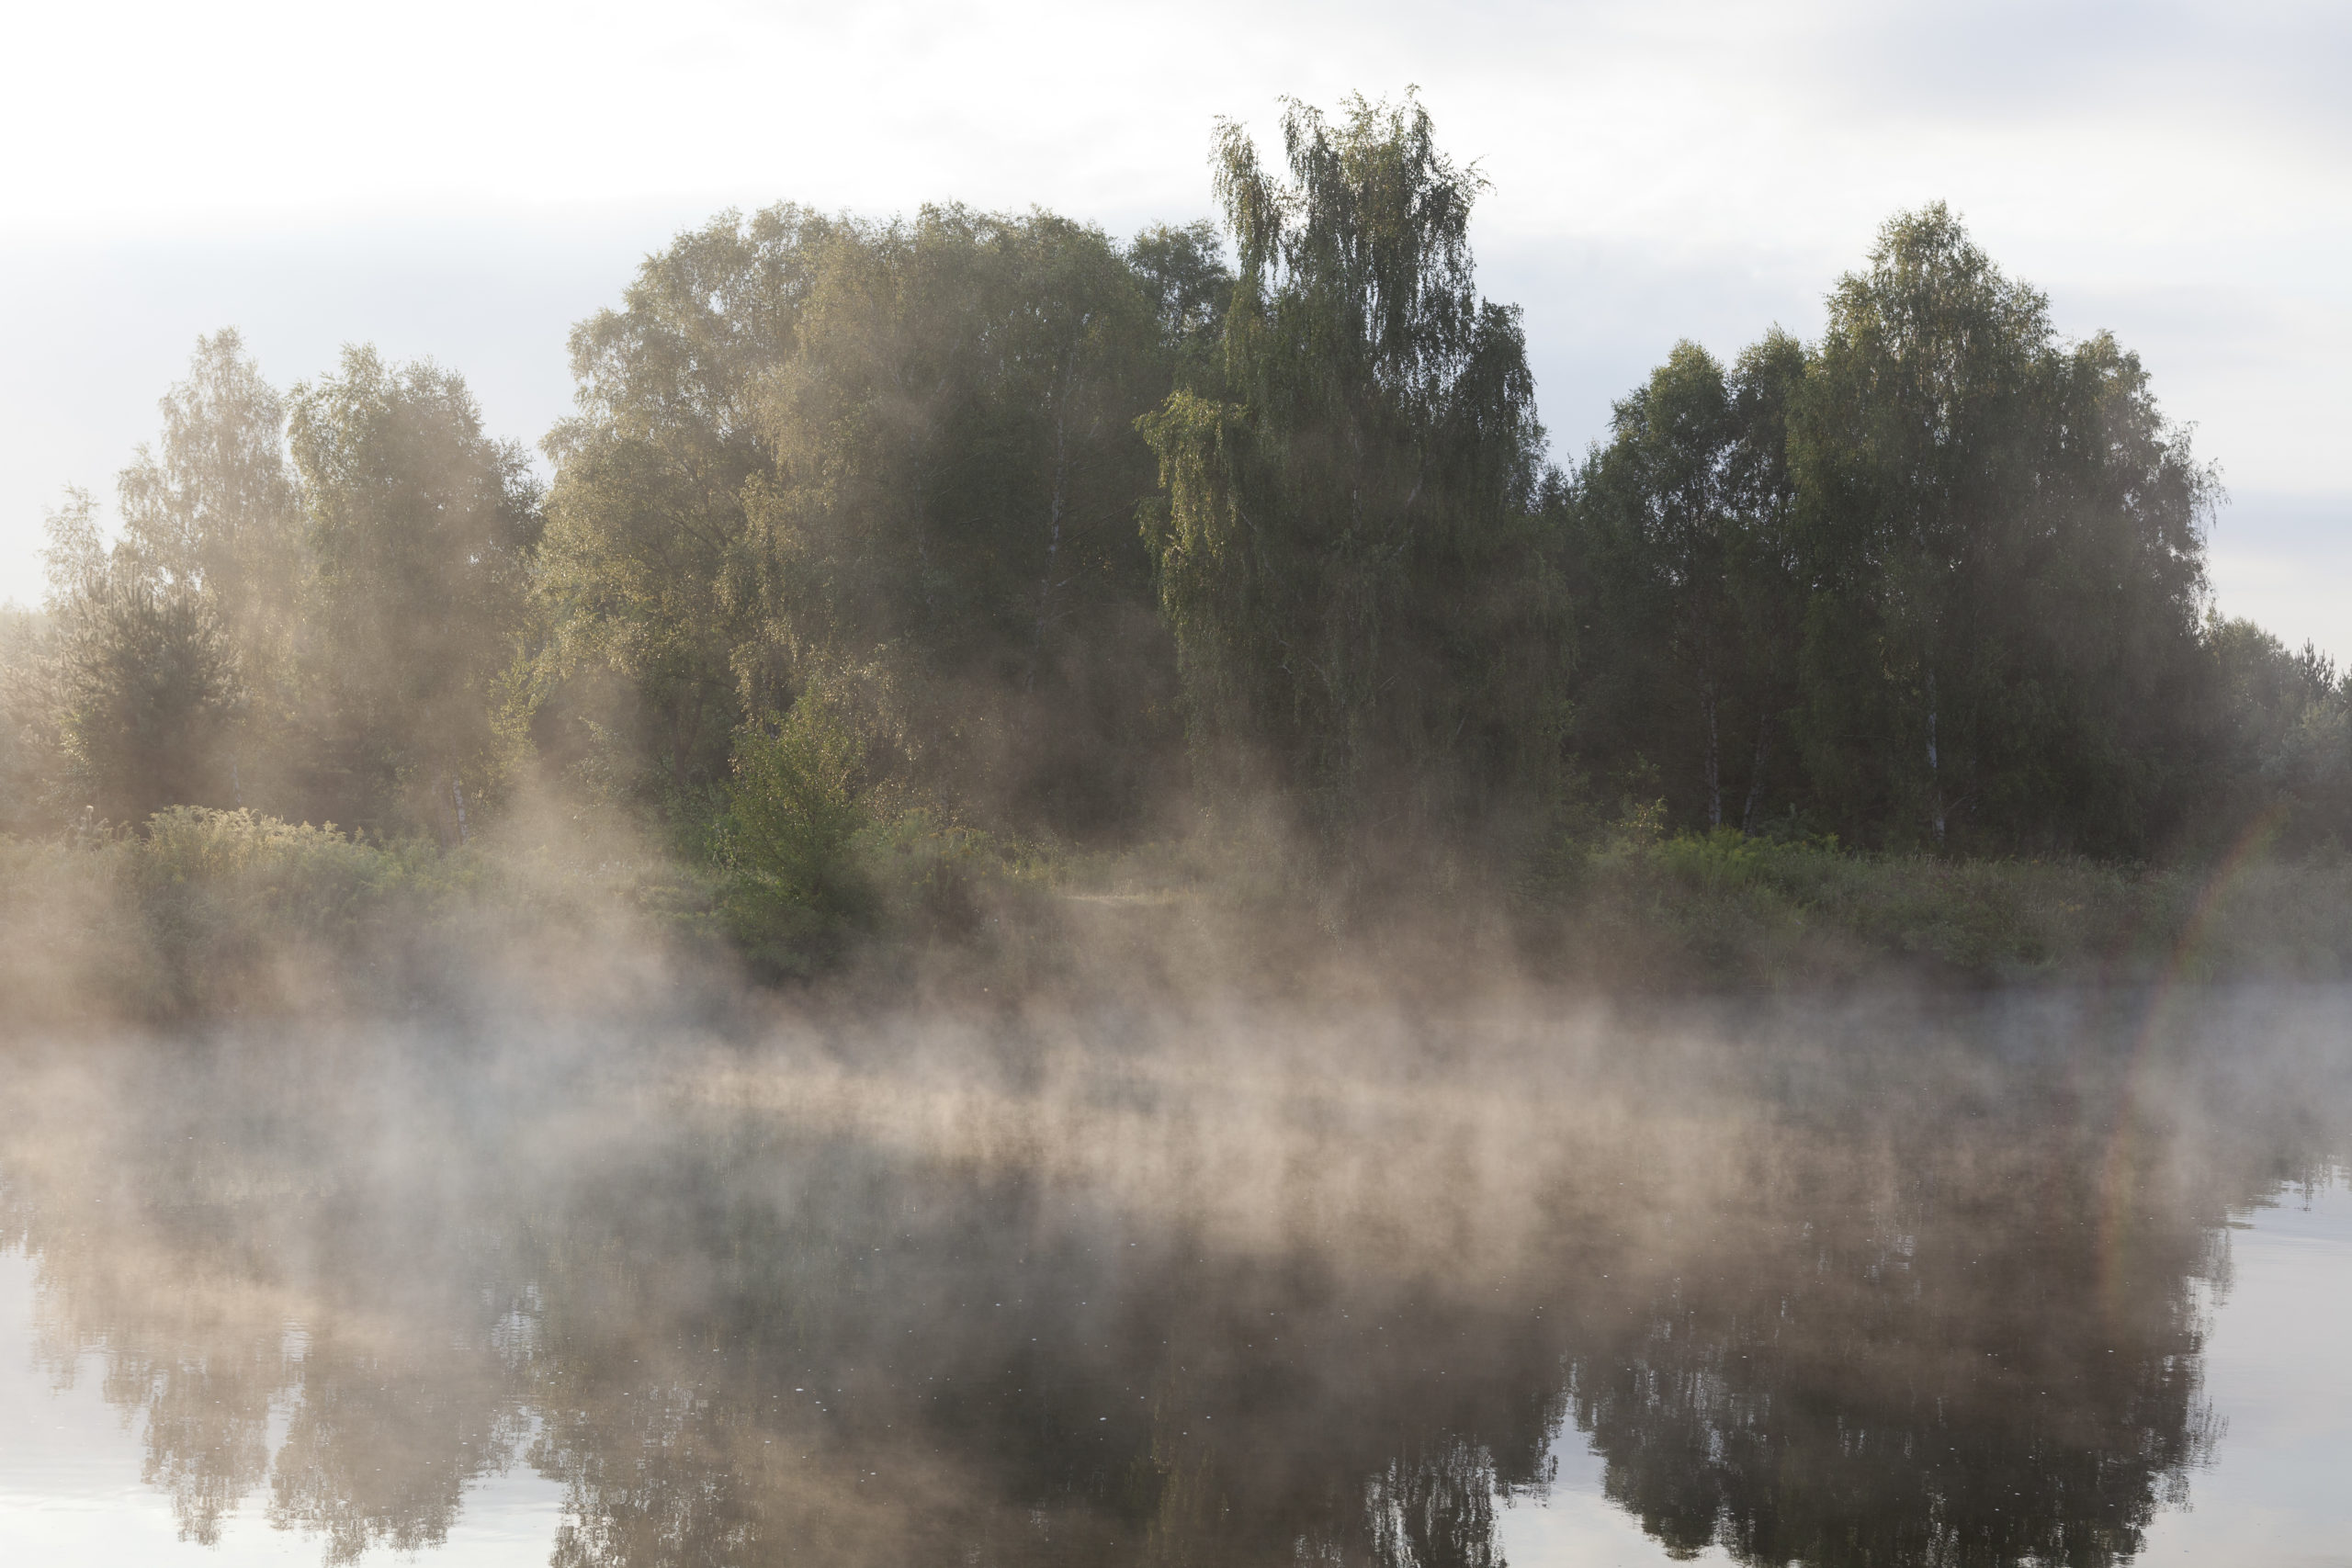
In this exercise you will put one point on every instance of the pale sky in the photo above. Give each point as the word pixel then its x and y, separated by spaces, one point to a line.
pixel 465 180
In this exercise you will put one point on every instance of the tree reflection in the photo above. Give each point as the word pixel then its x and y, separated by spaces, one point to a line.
pixel 1893 1322
pixel 1943 1376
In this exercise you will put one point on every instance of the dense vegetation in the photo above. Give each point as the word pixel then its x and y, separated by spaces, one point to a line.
pixel 877 552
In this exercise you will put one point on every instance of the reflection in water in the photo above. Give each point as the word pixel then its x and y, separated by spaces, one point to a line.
pixel 1831 1289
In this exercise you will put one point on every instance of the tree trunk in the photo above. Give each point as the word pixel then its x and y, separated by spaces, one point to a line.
pixel 1755 774
pixel 1935 774
pixel 1715 760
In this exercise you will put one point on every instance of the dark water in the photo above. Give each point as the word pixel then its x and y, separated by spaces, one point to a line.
pixel 2048 1281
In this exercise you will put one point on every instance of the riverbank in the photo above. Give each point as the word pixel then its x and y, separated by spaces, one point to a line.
pixel 210 914
pixel 1730 912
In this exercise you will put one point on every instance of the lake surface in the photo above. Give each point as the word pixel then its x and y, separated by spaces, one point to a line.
pixel 2046 1280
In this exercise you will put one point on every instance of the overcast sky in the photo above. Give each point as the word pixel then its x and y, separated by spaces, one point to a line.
pixel 465 180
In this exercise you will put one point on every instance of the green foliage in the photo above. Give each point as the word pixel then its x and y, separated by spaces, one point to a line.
pixel 2289 723
pixel 212 508
pixel 1690 592
pixel 1346 556
pixel 933 874
pixel 177 677
pixel 797 802
pixel 1725 909
pixel 1935 580
pixel 1933 583
pixel 816 850
pixel 1183 273
pixel 203 911
pixel 142 678
pixel 2003 543
pixel 147 689
pixel 228 871
pixel 337 639
pixel 814 450
pixel 420 529
pixel 28 770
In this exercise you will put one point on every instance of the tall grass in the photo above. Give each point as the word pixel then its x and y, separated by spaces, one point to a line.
pixel 1725 909
pixel 204 913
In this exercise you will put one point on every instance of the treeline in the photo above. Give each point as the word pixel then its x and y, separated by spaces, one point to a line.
pixel 992 521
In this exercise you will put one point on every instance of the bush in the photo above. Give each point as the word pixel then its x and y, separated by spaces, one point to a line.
pixel 1634 906
pixel 240 906
pixel 787 843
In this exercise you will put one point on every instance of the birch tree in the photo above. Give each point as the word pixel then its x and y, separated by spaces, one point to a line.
pixel 422 528
pixel 1348 555
pixel 2003 539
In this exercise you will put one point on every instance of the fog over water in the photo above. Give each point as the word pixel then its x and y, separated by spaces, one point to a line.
pixel 1243 785
pixel 1990 1280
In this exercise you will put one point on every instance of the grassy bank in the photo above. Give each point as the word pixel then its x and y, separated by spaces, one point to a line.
pixel 212 913
pixel 1728 911
pixel 202 913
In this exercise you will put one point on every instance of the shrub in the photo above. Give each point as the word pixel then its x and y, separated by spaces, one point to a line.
pixel 239 905
pixel 787 842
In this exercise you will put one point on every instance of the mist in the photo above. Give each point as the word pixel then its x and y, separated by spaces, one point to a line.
pixel 1032 893
pixel 1193 1286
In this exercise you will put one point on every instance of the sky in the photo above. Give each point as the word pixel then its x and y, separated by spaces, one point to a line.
pixel 465 181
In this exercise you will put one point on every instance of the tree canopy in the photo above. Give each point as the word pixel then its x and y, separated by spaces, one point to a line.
pixel 1347 554
pixel 1006 521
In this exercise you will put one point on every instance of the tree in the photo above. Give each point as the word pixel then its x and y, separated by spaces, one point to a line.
pixel 1767 581
pixel 27 719
pixel 2002 540
pixel 145 684
pixel 1680 531
pixel 210 514
pixel 1914 451
pixel 422 528
pixel 213 506
pixel 1660 514
pixel 647 507
pixel 2288 756
pixel 957 472
pixel 1183 273
pixel 1348 556
pixel 894 461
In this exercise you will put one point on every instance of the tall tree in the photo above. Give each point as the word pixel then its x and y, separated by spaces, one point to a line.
pixel 1348 555
pixel 210 513
pixel 1767 572
pixel 1914 450
pixel 896 460
pixel 144 683
pixel 1183 273
pixel 1661 508
pixel 1680 532
pixel 2003 541
pixel 211 504
pixel 2286 736
pixel 647 509
pixel 422 528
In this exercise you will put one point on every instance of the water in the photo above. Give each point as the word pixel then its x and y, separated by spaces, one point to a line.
pixel 2033 1279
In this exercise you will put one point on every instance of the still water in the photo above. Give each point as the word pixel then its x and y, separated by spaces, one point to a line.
pixel 2045 1280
